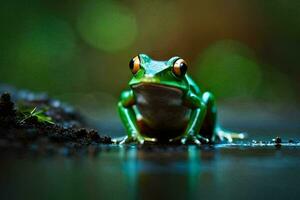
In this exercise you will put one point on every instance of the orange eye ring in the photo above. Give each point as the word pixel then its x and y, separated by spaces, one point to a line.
pixel 135 64
pixel 180 67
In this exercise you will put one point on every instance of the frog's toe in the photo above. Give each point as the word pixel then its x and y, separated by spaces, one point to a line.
pixel 190 140
pixel 226 136
pixel 202 139
pixel 125 140
pixel 140 140
pixel 118 140
pixel 132 140
pixel 176 140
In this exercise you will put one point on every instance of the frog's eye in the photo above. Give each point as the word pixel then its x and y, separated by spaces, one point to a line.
pixel 179 67
pixel 134 64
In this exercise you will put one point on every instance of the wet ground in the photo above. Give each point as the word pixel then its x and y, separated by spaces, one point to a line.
pixel 260 169
pixel 224 172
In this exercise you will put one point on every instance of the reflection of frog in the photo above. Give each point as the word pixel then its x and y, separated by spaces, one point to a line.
pixel 164 104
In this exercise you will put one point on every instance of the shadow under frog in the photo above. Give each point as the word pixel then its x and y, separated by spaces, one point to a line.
pixel 164 105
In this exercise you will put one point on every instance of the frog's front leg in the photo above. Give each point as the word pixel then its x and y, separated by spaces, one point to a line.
pixel 191 135
pixel 128 117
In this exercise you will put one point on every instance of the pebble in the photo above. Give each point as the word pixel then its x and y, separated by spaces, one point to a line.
pixel 277 140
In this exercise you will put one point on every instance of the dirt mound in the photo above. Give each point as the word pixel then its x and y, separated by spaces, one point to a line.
pixel 36 122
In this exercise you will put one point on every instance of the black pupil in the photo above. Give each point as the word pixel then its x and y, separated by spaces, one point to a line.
pixel 131 64
pixel 183 68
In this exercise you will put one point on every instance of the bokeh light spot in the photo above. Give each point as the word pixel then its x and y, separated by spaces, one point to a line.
pixel 46 41
pixel 44 53
pixel 107 25
pixel 228 68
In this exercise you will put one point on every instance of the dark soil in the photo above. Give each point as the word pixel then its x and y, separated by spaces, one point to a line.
pixel 21 131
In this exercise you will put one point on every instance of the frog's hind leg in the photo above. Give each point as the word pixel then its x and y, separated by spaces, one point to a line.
pixel 210 129
pixel 227 136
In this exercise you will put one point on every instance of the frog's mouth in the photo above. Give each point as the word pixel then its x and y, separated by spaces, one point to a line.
pixel 155 88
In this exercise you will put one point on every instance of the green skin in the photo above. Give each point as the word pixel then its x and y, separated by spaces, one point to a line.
pixel 161 107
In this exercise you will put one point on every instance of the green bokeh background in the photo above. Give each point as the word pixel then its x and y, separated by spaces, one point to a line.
pixel 78 51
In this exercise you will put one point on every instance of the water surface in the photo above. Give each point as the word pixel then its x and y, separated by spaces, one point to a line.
pixel 224 172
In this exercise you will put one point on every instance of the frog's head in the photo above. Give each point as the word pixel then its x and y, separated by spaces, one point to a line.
pixel 170 73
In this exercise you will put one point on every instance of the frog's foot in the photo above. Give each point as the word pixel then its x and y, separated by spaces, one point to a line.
pixel 131 140
pixel 191 139
pixel 229 136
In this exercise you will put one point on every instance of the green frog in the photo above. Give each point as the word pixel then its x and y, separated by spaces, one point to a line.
pixel 164 105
